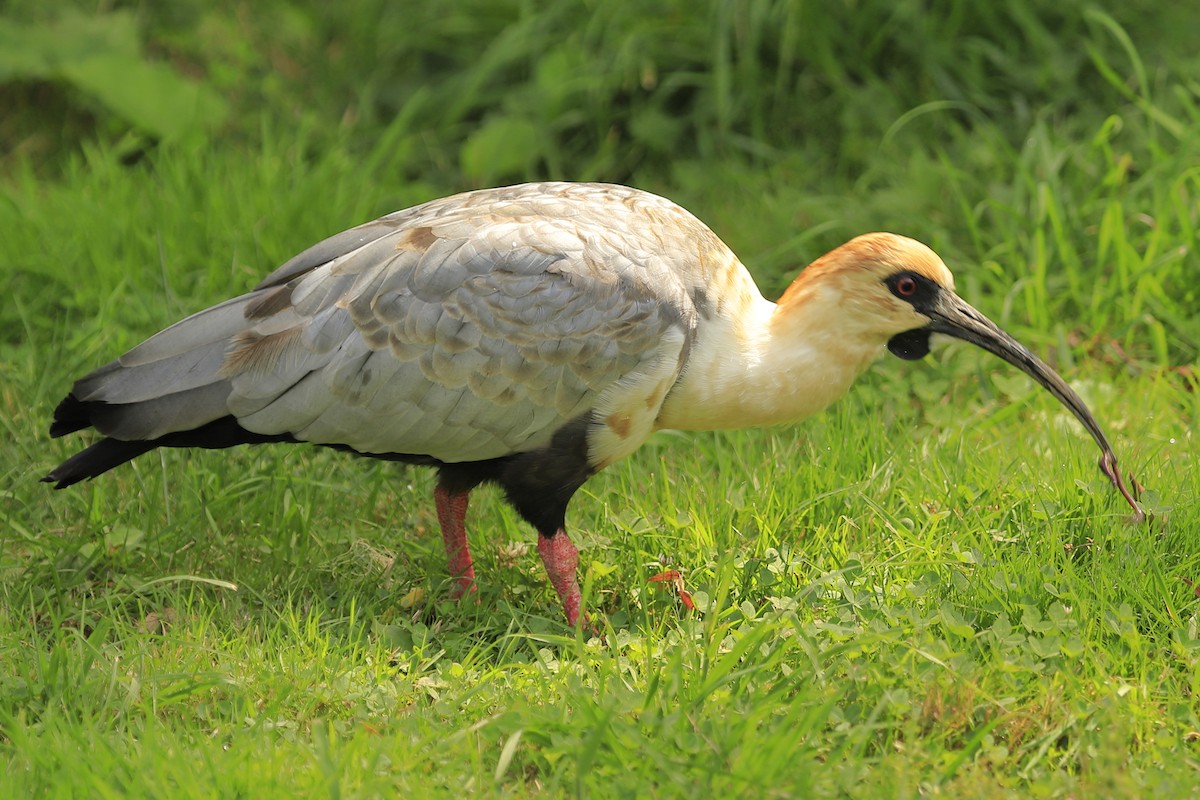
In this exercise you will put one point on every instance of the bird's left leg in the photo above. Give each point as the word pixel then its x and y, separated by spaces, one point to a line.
pixel 561 558
pixel 452 516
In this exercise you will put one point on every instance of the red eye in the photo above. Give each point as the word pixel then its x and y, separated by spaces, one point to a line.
pixel 906 286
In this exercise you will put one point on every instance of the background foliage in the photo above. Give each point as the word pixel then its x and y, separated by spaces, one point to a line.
pixel 926 590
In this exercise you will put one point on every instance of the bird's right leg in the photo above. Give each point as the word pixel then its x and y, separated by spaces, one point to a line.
pixel 452 516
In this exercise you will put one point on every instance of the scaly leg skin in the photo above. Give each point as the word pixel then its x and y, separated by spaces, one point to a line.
pixel 452 516
pixel 562 562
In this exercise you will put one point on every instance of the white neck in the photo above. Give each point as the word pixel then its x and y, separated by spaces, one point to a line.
pixel 765 364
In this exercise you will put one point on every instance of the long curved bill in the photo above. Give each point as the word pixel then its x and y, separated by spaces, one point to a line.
pixel 955 317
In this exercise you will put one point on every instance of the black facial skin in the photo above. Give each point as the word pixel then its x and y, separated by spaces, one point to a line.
pixel 914 288
pixel 910 345
pixel 922 293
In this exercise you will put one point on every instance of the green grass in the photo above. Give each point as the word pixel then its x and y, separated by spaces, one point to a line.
pixel 928 590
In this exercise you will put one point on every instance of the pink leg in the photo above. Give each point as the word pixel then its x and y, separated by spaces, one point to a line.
pixel 452 516
pixel 562 561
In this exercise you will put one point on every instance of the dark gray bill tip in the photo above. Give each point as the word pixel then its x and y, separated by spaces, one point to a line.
pixel 1108 465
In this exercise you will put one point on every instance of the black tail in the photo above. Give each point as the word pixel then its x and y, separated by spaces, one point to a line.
pixel 100 457
pixel 69 416
pixel 108 453
pixel 73 415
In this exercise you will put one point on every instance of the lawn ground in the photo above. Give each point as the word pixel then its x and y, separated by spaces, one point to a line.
pixel 927 590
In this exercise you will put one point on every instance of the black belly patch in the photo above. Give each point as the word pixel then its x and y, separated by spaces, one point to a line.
pixel 538 483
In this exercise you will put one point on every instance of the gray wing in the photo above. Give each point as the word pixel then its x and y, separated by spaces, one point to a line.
pixel 463 345
pixel 464 329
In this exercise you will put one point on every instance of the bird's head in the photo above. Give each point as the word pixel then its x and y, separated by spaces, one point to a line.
pixel 880 288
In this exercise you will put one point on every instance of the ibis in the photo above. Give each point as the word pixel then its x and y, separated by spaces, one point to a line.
pixel 526 336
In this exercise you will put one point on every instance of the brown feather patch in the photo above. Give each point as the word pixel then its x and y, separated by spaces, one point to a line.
pixel 253 352
pixel 619 423
pixel 270 303
pixel 417 240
